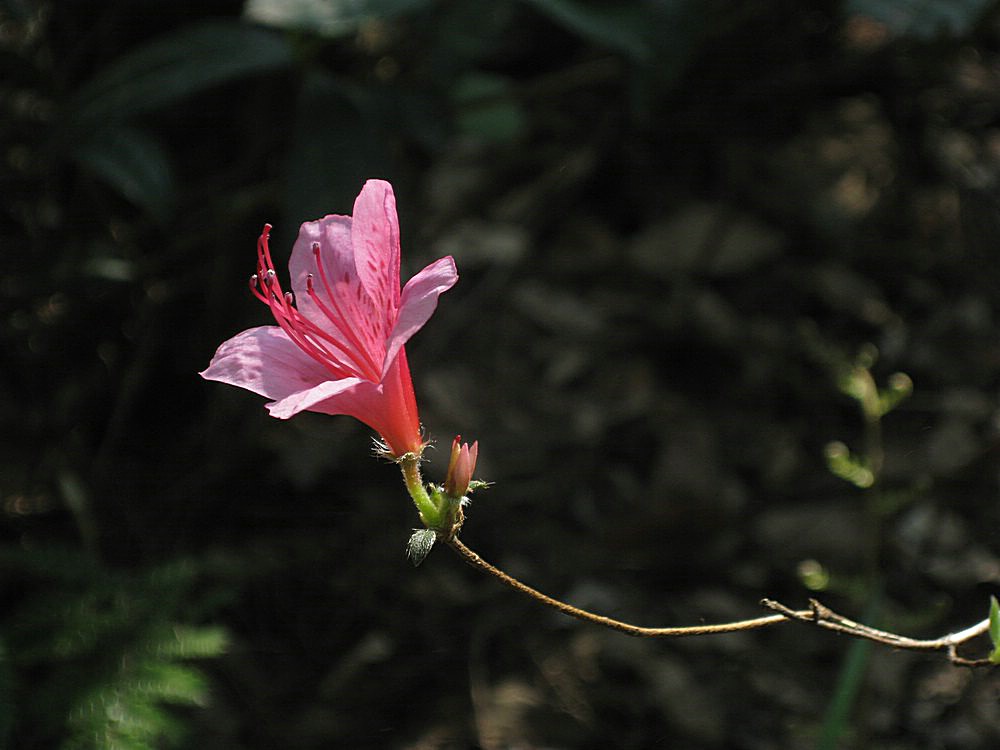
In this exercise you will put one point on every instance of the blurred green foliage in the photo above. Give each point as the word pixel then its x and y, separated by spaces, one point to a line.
pixel 98 658
pixel 676 222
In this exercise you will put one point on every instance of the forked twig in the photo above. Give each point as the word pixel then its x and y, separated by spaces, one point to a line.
pixel 824 617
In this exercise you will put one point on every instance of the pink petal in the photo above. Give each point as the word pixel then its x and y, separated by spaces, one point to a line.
pixel 342 307
pixel 333 234
pixel 389 407
pixel 329 397
pixel 418 302
pixel 264 360
pixel 375 236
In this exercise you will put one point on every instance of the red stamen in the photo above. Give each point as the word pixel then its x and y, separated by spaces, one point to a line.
pixel 314 341
pixel 363 364
pixel 338 318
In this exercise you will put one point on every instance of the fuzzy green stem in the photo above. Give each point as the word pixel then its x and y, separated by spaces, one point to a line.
pixel 409 464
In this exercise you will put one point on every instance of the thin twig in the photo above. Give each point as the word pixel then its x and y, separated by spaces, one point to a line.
pixel 817 614
pixel 581 614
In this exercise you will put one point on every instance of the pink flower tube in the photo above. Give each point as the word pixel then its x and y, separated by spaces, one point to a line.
pixel 337 347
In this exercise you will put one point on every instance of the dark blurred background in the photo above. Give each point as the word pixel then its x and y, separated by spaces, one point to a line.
pixel 697 242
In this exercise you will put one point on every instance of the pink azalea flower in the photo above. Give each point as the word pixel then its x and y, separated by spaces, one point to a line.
pixel 338 345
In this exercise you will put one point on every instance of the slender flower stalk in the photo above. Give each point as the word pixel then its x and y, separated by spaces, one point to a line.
pixel 429 512
pixel 337 347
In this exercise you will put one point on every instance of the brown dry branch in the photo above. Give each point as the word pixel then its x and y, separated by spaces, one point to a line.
pixel 817 614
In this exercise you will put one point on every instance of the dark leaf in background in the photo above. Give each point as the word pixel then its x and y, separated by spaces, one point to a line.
pixel 327 18
pixel 922 18
pixel 132 162
pixel 660 34
pixel 336 145
pixel 487 109
pixel 173 67
pixel 7 689
pixel 19 10
pixel 622 27
pixel 95 129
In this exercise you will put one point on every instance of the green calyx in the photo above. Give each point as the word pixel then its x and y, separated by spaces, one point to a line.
pixel 439 511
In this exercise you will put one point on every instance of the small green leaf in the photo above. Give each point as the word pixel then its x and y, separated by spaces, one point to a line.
pixel 842 463
pixel 994 621
pixel 813 575
pixel 900 387
pixel 420 545
pixel 995 629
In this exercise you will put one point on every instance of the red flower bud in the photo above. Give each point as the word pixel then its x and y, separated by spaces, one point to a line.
pixel 461 464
